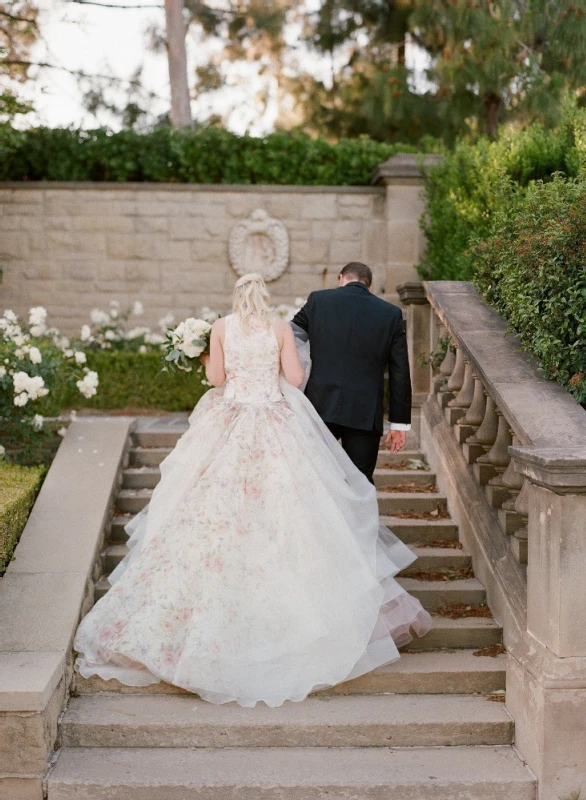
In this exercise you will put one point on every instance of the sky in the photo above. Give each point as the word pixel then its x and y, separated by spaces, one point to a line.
pixel 113 41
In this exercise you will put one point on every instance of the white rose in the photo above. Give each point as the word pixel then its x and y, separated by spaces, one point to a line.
pixel 137 308
pixel 143 349
pixel 38 330
pixel 18 339
pixel 2 372
pixel 99 317
pixel 2 451
pixel 62 431
pixel 35 355
pixel 21 399
pixel 37 316
pixel 37 422
pixel 20 381
pixel 136 333
pixel 68 353
pixel 86 333
pixel 19 352
pixel 110 336
pixel 154 338
pixel 10 316
pixel 80 357
pixel 166 322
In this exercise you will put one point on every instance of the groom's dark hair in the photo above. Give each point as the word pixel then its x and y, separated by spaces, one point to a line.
pixel 358 271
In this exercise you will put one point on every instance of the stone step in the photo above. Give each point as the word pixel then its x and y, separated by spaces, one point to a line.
pixel 434 559
pixel 112 720
pixel 434 595
pixel 131 501
pixel 117 532
pixel 148 456
pixel 419 502
pixel 390 478
pixel 159 437
pixel 461 633
pixel 439 672
pixel 473 773
pixel 404 458
pixel 412 531
pixel 141 477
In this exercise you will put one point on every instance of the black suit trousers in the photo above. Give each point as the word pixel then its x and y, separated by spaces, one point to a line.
pixel 361 446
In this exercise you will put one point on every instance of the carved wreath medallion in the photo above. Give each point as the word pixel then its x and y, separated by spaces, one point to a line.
pixel 259 244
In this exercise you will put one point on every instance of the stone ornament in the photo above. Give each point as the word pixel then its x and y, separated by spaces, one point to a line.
pixel 259 244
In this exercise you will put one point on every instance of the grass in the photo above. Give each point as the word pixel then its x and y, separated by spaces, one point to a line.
pixel 19 487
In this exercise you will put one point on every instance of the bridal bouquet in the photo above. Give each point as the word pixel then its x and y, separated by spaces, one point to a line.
pixel 186 343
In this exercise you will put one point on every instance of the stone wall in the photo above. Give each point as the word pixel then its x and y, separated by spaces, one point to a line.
pixel 72 247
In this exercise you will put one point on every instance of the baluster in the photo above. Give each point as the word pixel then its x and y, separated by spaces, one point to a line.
pixel 455 381
pixel 481 441
pixel 499 457
pixel 458 406
pixel 469 423
pixel 509 519
pixel 520 538
pixel 446 368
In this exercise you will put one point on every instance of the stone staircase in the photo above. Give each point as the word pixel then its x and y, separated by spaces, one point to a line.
pixel 430 726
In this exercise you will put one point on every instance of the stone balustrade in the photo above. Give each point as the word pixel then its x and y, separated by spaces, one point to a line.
pixel 510 451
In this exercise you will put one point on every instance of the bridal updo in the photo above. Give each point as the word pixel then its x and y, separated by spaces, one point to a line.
pixel 251 301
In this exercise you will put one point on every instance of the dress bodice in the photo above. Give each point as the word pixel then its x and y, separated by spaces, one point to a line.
pixel 252 362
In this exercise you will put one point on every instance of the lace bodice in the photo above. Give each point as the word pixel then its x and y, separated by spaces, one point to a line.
pixel 252 363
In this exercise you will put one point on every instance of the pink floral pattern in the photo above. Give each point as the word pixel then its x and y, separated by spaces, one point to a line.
pixel 257 572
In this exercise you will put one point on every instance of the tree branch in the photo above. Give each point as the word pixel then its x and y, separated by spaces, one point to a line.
pixel 16 18
pixel 112 5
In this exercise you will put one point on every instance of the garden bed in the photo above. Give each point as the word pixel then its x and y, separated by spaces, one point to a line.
pixel 19 487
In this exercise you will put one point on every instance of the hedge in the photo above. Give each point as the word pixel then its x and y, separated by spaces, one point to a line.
pixel 533 270
pixel 19 487
pixel 132 380
pixel 476 182
pixel 203 155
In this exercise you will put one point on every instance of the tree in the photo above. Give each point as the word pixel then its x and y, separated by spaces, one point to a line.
pixel 177 58
pixel 497 59
pixel 18 32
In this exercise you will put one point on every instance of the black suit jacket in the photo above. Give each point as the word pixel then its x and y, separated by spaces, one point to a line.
pixel 354 336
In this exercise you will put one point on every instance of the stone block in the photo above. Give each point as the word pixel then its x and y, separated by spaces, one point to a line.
pixel 454 414
pixel 402 239
pixel 320 230
pixel 241 205
pixel 69 244
pixel 190 279
pixel 303 284
pixel 151 224
pixel 484 472
pixel 185 228
pixel 285 207
pixel 509 521
pixel 463 431
pixel 28 680
pixel 142 272
pixel 171 251
pixel 12 788
pixel 214 251
pixel 496 495
pixel 310 252
pixel 41 270
pixel 472 452
pixel 131 245
pixel 319 206
pixel 398 273
pixel 341 252
pixel 14 245
pixel 404 203
pixel 347 230
pixel 374 243
pixel 113 224
pixel 357 199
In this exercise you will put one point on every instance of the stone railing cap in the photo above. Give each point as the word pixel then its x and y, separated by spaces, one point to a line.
pixel 404 167
pixel 412 293
pixel 561 469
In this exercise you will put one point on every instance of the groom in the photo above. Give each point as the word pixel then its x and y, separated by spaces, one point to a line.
pixel 354 337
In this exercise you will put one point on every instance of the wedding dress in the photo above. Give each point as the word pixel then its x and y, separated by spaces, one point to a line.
pixel 258 571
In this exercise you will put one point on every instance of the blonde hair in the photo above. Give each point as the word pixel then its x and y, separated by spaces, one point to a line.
pixel 251 301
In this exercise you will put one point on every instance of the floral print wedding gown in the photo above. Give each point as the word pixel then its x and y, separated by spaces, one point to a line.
pixel 258 572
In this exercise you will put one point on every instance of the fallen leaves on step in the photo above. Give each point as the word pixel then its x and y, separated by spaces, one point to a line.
pixel 492 651
pixel 460 611
pixel 458 574
pixel 408 514
pixel 497 697
pixel 451 544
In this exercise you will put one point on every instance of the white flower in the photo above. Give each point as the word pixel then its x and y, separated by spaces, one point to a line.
pixel 154 338
pixel 114 309
pixel 80 357
pixel 88 385
pixel 143 349
pixel 21 399
pixel 20 381
pixel 73 415
pixel 136 333
pixel 111 336
pixel 32 387
pixel 18 339
pixel 166 322
pixel 209 315
pixel 10 316
pixel 137 308
pixel 19 352
pixel 37 315
pixel 38 330
pixel 2 372
pixel 62 431
pixel 68 353
pixel 2 451
pixel 99 317
pixel 37 422
pixel 86 333
pixel 35 355
pixel 187 333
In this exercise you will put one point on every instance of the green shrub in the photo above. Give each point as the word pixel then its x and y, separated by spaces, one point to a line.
pixel 18 489
pixel 533 270
pixel 476 182
pixel 132 380
pixel 204 155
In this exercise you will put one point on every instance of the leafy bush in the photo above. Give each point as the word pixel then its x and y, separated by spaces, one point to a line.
pixel 204 155
pixel 18 489
pixel 134 380
pixel 476 182
pixel 532 268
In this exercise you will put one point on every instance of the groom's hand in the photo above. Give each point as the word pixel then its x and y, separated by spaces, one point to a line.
pixel 397 440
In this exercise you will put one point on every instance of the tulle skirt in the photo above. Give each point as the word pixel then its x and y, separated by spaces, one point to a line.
pixel 259 571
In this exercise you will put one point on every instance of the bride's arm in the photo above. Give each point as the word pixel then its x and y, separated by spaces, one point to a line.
pixel 290 363
pixel 214 363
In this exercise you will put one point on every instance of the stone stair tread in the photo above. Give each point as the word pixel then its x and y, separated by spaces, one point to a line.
pixel 463 584
pixel 437 672
pixel 485 773
pixel 384 493
pixel 400 522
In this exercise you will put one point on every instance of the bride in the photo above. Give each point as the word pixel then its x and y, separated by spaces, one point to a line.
pixel 258 572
